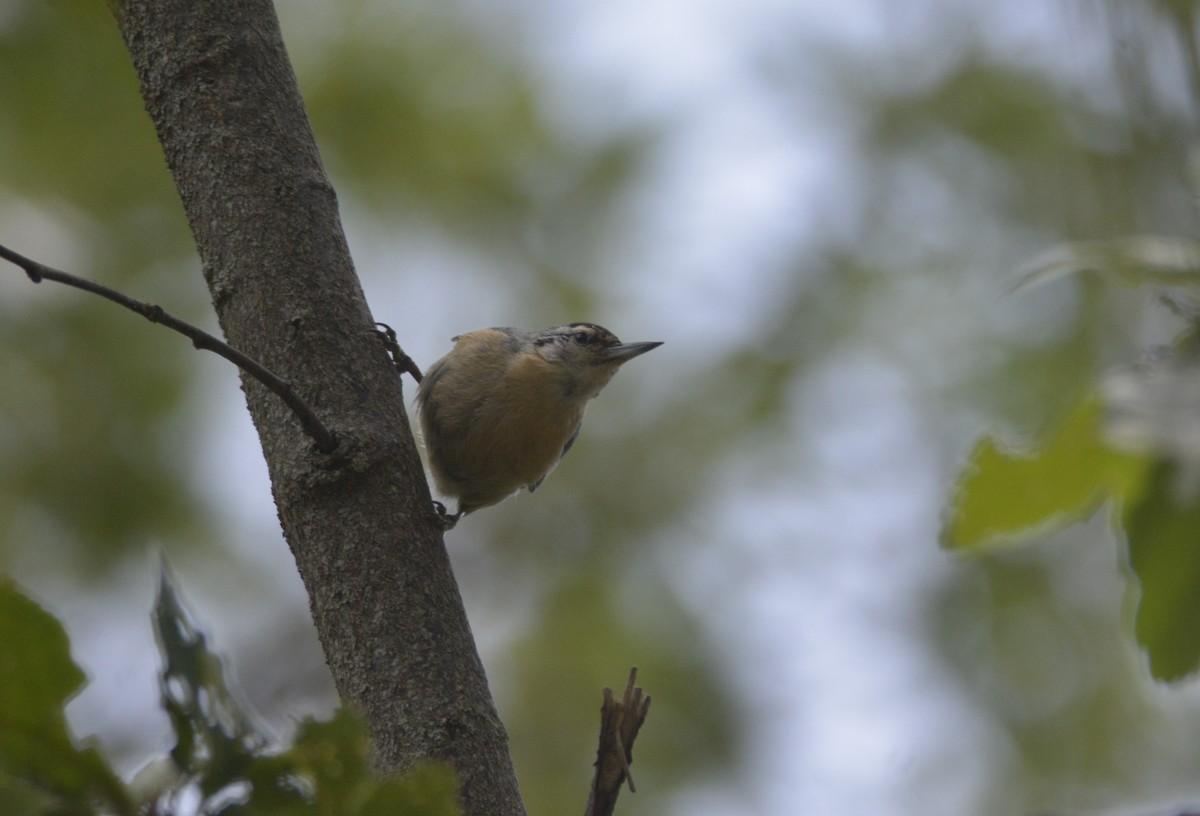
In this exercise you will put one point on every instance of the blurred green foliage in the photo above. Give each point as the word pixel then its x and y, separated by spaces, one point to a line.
pixel 94 393
pixel 1134 448
pixel 41 769
pixel 222 762
pixel 1006 497
pixel 963 163
pixel 1163 531
pixel 1135 178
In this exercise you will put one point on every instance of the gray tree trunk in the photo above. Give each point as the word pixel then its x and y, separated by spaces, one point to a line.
pixel 219 87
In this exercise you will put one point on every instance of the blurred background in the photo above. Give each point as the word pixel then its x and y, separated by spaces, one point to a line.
pixel 820 208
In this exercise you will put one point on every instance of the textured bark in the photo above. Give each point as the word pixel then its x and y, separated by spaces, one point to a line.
pixel 218 85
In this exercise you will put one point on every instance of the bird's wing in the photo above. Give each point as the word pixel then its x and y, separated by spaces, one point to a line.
pixel 566 447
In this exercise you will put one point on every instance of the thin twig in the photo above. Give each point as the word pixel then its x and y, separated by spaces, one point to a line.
pixel 619 726
pixel 313 426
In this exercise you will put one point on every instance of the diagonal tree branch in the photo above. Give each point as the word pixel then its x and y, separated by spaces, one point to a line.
pixel 201 339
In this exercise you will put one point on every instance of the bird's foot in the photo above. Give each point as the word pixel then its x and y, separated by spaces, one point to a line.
pixel 402 362
pixel 448 519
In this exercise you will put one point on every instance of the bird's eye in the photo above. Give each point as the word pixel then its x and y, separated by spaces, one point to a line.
pixel 582 337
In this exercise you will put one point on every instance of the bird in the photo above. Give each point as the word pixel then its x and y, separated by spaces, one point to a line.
pixel 500 410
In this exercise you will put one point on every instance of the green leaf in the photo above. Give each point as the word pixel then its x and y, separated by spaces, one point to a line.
pixel 227 756
pixel 217 737
pixel 41 769
pixel 1164 550
pixel 1003 496
pixel 428 789
pixel 334 757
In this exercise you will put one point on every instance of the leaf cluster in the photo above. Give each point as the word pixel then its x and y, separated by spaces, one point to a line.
pixel 1130 443
pixel 223 761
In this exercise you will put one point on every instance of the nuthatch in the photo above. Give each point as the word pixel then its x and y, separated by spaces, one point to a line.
pixel 505 405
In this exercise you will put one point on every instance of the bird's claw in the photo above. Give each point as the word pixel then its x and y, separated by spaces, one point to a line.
pixel 402 362
pixel 448 519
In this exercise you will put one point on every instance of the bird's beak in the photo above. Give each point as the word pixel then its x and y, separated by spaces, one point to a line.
pixel 627 351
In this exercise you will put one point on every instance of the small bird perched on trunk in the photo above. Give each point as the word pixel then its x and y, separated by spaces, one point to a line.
pixel 505 405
